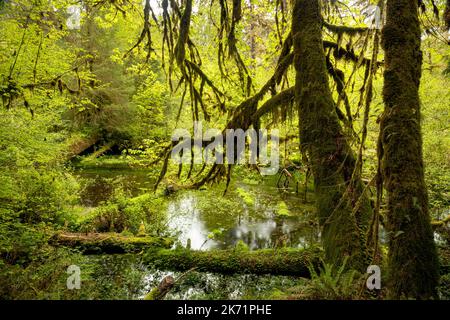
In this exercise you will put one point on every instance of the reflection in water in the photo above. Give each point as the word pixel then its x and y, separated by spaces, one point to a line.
pixel 270 231
pixel 184 218
pixel 257 225
pixel 203 219
pixel 98 185
pixel 203 285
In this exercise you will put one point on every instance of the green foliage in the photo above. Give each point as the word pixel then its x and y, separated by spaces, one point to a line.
pixel 104 162
pixel 124 214
pixel 282 209
pixel 44 276
pixel 444 287
pixel 436 138
pixel 332 283
pixel 60 85
pixel 215 233
pixel 33 186
pixel 241 246
pixel 247 197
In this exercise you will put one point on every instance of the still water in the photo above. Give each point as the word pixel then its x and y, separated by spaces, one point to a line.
pixel 208 219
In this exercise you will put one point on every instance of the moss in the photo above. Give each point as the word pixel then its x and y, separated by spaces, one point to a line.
pixel 241 246
pixel 283 210
pixel 250 181
pixel 412 260
pixel 142 232
pixel 105 162
pixel 342 207
pixel 248 199
pixel 444 287
pixel 267 261
pixel 105 243
pixel 152 295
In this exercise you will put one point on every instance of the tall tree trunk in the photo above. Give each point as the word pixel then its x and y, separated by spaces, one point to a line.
pixel 447 15
pixel 413 262
pixel 343 208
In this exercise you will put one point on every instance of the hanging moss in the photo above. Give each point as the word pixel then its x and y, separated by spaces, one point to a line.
pixel 349 55
pixel 341 30
pixel 146 32
pixel 185 22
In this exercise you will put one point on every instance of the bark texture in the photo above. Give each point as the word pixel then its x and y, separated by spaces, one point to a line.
pixel 413 262
pixel 447 15
pixel 343 208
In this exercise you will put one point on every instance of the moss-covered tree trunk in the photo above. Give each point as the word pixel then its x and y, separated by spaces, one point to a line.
pixel 413 263
pixel 447 15
pixel 342 207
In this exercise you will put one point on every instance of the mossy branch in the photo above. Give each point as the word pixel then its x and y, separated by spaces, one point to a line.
pixel 281 100
pixel 341 53
pixel 340 30
pixel 146 33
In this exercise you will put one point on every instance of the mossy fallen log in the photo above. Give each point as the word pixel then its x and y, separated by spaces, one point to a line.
pixel 440 223
pixel 285 261
pixel 80 145
pixel 108 243
pixel 159 292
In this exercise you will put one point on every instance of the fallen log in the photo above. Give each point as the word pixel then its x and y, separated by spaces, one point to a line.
pixel 80 145
pixel 101 151
pixel 285 261
pixel 440 223
pixel 108 243
pixel 161 290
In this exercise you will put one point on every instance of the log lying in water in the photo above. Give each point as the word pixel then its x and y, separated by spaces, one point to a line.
pixel 108 243
pixel 286 261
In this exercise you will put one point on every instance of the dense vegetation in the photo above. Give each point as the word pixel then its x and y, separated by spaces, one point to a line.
pixel 359 91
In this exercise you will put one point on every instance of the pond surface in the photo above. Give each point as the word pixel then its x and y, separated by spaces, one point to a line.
pixel 210 221
pixel 98 184
pixel 202 285
pixel 258 214
pixel 130 279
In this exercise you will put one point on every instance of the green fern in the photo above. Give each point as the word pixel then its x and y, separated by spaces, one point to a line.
pixel 328 283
